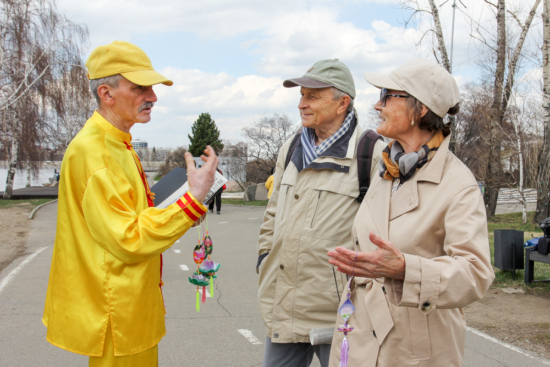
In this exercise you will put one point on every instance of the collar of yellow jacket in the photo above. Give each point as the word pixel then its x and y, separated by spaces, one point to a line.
pixel 110 128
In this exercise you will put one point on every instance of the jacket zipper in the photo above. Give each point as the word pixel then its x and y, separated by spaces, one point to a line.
pixel 316 206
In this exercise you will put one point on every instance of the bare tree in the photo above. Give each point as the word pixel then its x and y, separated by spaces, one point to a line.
pixel 39 48
pixel 265 138
pixel 543 173
pixel 236 162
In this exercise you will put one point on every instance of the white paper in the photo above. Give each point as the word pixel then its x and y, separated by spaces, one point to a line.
pixel 219 181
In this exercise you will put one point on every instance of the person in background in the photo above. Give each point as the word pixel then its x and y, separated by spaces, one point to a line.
pixel 217 198
pixel 269 183
pixel 104 297
pixel 421 249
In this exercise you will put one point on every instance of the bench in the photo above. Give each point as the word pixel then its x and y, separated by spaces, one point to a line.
pixel 530 258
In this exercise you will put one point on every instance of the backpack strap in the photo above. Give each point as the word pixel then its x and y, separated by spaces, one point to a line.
pixel 365 150
pixel 293 145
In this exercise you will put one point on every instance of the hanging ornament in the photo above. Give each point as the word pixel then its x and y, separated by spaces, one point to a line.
pixel 206 268
pixel 346 310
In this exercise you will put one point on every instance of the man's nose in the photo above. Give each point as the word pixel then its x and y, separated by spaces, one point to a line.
pixel 151 96
pixel 302 103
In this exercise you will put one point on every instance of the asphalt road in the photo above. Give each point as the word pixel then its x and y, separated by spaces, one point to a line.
pixel 228 331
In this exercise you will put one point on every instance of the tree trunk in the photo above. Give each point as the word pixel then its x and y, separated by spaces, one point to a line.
pixel 28 174
pixel 446 65
pixel 544 155
pixel 520 188
pixel 11 169
pixel 492 176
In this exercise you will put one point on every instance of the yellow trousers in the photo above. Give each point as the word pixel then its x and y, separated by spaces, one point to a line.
pixel 147 358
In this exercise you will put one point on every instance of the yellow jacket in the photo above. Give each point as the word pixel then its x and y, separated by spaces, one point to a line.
pixel 106 263
pixel 269 185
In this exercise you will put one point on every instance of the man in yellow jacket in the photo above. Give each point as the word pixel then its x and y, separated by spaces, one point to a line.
pixel 104 295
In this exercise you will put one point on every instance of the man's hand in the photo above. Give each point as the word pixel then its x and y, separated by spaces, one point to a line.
pixel 386 262
pixel 201 180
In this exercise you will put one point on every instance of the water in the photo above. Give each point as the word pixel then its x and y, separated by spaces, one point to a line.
pixel 20 179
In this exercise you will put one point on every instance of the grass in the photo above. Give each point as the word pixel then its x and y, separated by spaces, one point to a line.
pixel 4 204
pixel 246 203
pixel 503 278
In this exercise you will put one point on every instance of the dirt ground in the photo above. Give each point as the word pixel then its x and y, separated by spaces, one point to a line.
pixel 522 320
pixel 15 228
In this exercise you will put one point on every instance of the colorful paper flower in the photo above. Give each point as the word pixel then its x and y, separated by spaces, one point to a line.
pixel 199 280
pixel 209 267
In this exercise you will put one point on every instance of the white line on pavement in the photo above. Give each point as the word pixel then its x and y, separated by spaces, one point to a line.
pixel 223 222
pixel 178 241
pixel 252 218
pixel 184 267
pixel 14 272
pixel 506 345
pixel 249 336
pixel 177 251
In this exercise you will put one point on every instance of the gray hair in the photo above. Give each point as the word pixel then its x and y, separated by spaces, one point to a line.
pixel 337 94
pixel 111 81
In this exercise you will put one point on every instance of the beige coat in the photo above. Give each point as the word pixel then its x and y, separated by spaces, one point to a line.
pixel 309 213
pixel 437 219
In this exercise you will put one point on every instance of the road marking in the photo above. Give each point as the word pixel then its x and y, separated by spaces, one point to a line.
pixel 207 293
pixel 14 272
pixel 252 218
pixel 184 267
pixel 178 241
pixel 177 251
pixel 249 336
pixel 223 222
pixel 506 345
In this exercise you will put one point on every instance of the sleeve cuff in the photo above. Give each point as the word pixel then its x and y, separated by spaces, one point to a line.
pixel 420 288
pixel 191 206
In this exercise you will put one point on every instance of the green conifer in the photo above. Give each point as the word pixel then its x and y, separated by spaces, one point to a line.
pixel 204 132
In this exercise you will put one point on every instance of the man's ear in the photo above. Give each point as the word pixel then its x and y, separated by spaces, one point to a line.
pixel 343 104
pixel 104 93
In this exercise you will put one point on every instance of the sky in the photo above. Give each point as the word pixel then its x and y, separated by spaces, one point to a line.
pixel 230 57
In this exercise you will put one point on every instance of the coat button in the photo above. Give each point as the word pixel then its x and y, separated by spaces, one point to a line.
pixel 276 335
pixel 296 196
pixel 426 306
pixel 282 266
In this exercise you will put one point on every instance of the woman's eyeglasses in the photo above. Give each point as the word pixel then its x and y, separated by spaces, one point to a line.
pixel 384 96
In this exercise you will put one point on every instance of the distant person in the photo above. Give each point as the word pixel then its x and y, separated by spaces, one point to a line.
pixel 217 198
pixel 269 183
pixel 421 249
pixel 104 296
pixel 311 210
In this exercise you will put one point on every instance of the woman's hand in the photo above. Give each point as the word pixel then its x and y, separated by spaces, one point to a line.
pixel 386 262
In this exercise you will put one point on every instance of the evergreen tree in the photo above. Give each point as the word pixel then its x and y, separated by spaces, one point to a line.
pixel 204 132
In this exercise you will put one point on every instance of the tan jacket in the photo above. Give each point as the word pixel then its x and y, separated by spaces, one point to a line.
pixel 437 219
pixel 308 214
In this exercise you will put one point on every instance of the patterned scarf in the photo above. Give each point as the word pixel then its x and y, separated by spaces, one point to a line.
pixel 311 151
pixel 395 163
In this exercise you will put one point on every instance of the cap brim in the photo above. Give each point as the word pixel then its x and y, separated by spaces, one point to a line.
pixel 146 77
pixel 382 81
pixel 305 82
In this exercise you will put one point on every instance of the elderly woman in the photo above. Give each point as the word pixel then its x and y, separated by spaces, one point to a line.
pixel 421 246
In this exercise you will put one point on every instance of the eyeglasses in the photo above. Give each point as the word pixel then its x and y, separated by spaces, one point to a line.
pixel 384 96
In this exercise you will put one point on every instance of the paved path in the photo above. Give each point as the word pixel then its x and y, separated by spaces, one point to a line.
pixel 209 338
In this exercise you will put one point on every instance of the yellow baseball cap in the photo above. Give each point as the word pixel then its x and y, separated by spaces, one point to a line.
pixel 126 59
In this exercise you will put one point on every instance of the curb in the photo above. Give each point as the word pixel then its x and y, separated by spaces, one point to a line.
pixel 31 216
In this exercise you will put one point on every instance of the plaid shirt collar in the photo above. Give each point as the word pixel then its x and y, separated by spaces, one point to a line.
pixel 311 151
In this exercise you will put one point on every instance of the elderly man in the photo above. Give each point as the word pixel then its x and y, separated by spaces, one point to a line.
pixel 104 295
pixel 310 212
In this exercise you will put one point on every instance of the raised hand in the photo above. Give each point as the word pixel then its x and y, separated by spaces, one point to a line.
pixel 386 262
pixel 201 180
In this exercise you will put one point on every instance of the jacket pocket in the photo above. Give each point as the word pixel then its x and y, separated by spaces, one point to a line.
pixel 316 207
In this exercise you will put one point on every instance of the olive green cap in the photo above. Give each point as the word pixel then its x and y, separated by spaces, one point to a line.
pixel 324 74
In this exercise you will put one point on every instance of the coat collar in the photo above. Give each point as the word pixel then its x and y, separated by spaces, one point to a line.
pixel 385 207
